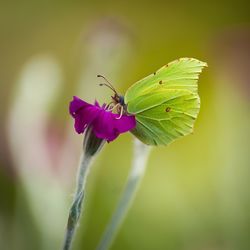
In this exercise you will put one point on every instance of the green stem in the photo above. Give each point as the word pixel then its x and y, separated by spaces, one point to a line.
pixel 141 153
pixel 76 208
pixel 91 146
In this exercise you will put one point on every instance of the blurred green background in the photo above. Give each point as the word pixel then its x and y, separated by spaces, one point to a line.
pixel 195 194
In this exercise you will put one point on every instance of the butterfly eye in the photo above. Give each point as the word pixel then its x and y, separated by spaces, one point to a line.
pixel 160 82
pixel 168 109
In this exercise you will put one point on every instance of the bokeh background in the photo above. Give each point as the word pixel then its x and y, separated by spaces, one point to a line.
pixel 195 194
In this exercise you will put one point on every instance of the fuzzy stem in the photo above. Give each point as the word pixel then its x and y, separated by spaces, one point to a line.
pixel 76 208
pixel 141 153
pixel 91 146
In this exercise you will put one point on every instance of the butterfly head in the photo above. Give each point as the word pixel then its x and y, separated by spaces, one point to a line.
pixel 121 100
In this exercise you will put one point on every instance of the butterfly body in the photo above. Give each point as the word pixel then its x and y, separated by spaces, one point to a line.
pixel 165 103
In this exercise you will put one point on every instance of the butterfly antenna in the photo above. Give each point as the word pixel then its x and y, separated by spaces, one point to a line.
pixel 107 84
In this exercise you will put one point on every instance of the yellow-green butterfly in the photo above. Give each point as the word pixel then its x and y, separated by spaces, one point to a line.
pixel 165 103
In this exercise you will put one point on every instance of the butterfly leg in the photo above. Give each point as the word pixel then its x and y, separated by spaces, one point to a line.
pixel 112 107
pixel 121 113
pixel 108 106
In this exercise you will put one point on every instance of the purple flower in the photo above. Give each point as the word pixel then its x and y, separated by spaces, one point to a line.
pixel 105 124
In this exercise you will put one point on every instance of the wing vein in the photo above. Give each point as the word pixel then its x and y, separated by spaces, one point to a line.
pixel 142 123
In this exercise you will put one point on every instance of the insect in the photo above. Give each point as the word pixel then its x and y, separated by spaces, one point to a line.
pixel 165 103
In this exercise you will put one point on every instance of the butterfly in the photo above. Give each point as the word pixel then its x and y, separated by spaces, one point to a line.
pixel 165 104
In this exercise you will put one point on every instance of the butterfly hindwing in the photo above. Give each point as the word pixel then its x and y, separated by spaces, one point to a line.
pixel 165 116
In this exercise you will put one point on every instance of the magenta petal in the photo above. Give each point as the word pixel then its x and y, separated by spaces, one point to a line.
pixel 108 127
pixel 103 126
pixel 97 104
pixel 83 112
pixel 125 123
pixel 76 104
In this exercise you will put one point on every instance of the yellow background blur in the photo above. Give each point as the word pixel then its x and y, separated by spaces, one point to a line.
pixel 195 194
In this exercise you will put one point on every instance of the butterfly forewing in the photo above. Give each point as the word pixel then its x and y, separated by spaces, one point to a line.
pixel 179 74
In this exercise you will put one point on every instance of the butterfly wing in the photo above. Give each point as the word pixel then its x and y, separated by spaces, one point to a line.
pixel 182 73
pixel 164 115
pixel 166 103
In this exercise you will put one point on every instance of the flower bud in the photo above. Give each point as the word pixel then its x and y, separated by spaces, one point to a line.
pixel 91 143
